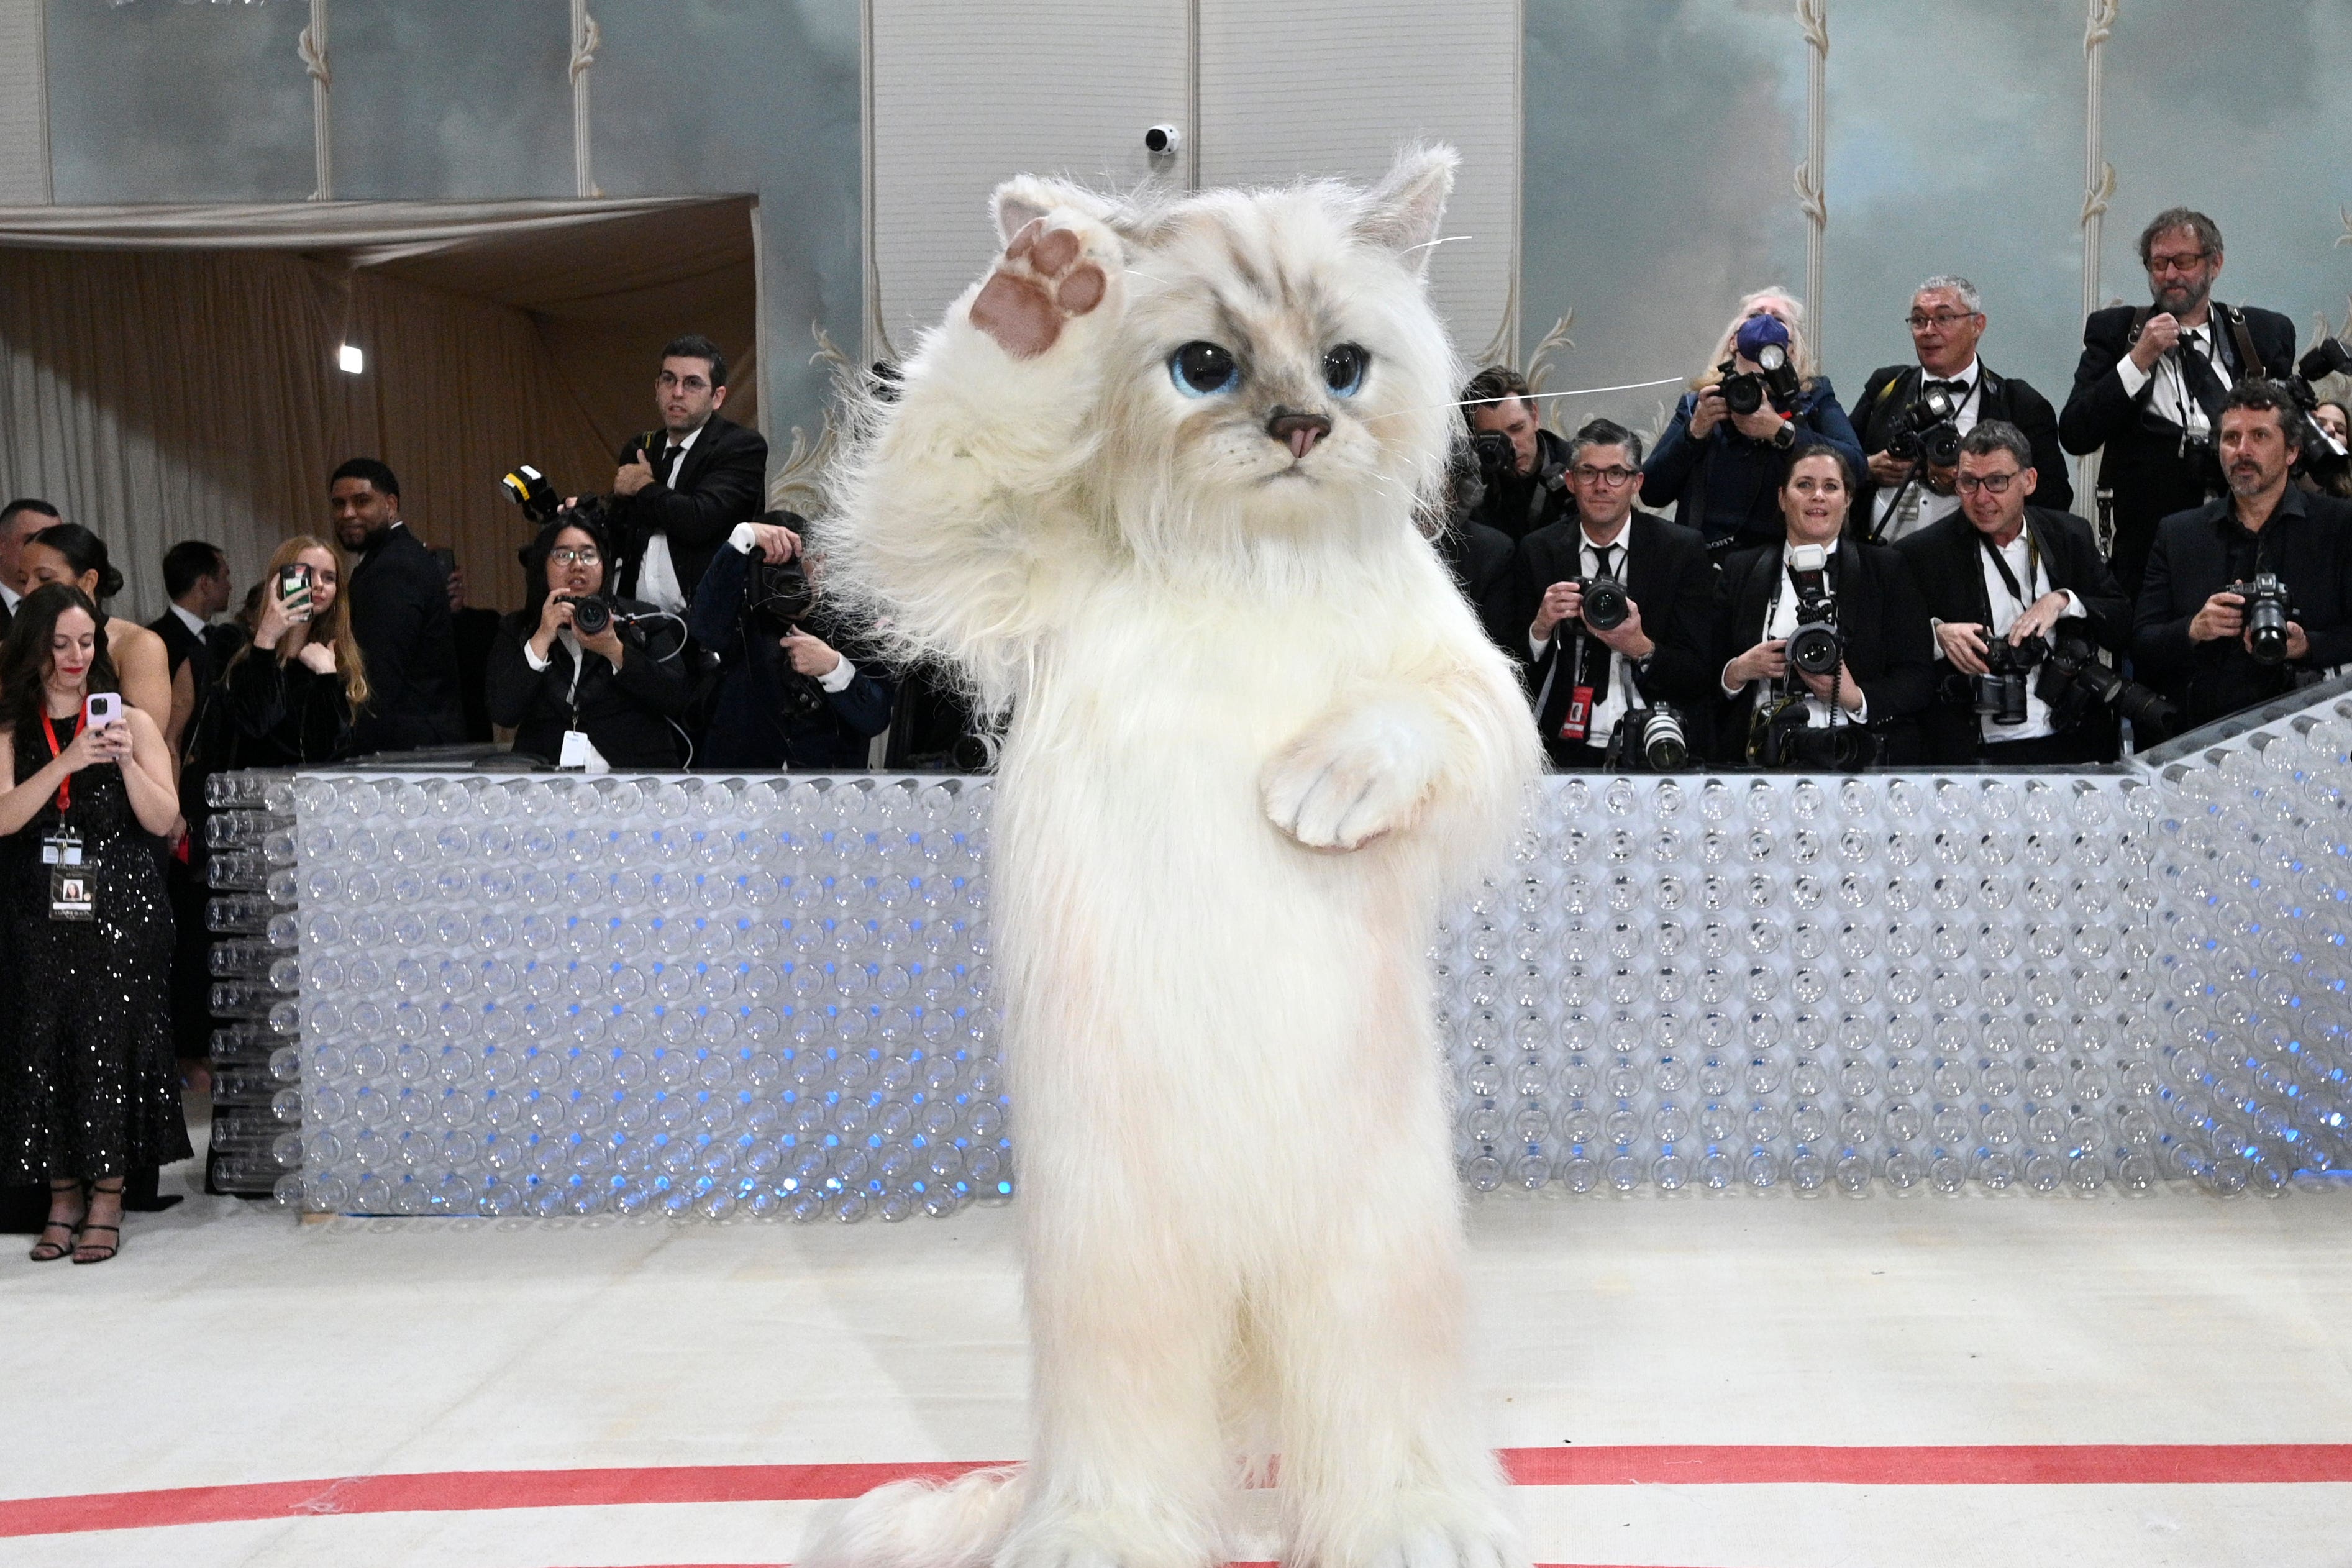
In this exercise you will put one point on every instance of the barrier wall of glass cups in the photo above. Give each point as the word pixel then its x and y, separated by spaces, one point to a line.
pixel 713 997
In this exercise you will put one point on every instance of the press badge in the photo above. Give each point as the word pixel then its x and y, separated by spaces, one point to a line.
pixel 73 892
pixel 61 849
pixel 579 752
pixel 1579 714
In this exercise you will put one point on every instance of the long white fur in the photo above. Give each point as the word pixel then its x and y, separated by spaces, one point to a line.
pixel 1254 736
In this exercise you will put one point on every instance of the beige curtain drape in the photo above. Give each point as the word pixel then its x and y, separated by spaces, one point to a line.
pixel 170 373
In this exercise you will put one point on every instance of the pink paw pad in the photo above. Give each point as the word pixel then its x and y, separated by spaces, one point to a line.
pixel 1040 283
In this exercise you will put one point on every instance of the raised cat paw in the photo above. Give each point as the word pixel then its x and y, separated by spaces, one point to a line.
pixel 1057 268
pixel 1346 782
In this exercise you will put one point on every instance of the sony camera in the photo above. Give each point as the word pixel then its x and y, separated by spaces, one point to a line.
pixel 531 490
pixel 2267 613
pixel 1746 391
pixel 2000 694
pixel 1652 738
pixel 1927 433
pixel 1605 603
pixel 1816 645
pixel 2074 681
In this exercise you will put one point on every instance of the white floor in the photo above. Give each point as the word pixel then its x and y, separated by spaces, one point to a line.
pixel 230 1345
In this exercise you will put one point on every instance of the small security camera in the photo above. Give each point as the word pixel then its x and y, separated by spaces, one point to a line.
pixel 1162 140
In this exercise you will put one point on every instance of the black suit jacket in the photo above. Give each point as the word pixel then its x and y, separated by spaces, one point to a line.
pixel 400 614
pixel 749 724
pixel 181 646
pixel 1892 389
pixel 1888 640
pixel 722 482
pixel 1479 559
pixel 625 712
pixel 2141 460
pixel 1948 563
pixel 2308 541
pixel 1667 573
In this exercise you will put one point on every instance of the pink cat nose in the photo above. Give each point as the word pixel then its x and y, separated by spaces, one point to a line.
pixel 1300 432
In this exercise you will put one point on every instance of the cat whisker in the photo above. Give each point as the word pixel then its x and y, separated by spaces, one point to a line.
pixel 1529 397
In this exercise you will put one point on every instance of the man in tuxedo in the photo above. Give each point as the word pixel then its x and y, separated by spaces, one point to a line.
pixel 1899 497
pixel 19 520
pixel 681 489
pixel 1586 678
pixel 1521 466
pixel 400 614
pixel 196 580
pixel 1999 568
pixel 2191 639
pixel 2149 387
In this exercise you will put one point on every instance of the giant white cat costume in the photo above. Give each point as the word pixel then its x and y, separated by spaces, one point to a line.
pixel 1152 485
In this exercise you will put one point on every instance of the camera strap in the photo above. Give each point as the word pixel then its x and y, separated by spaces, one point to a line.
pixel 2007 577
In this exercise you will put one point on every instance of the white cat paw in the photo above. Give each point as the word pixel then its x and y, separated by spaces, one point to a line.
pixel 1426 1532
pixel 1057 268
pixel 1106 1537
pixel 1343 785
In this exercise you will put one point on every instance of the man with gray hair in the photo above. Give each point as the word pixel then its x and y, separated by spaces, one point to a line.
pixel 1911 416
pixel 2147 394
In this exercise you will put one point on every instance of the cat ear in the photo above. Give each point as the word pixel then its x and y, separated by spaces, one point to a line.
pixel 1026 196
pixel 1407 207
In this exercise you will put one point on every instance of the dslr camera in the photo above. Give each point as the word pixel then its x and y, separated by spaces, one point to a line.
pixel 2324 456
pixel 2000 695
pixel 777 599
pixel 1816 645
pixel 2074 681
pixel 1605 603
pixel 1746 391
pixel 1791 740
pixel 531 490
pixel 1928 433
pixel 1650 737
pixel 2267 613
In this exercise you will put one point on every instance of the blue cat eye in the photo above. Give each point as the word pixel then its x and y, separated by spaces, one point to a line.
pixel 1343 368
pixel 1199 369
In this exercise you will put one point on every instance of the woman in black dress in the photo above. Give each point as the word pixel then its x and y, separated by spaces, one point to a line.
pixel 88 1087
pixel 290 695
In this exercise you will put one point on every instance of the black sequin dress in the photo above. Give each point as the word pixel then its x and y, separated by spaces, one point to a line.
pixel 88 1085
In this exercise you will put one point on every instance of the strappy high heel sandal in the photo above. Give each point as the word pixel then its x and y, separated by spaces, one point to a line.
pixel 94 1251
pixel 47 1251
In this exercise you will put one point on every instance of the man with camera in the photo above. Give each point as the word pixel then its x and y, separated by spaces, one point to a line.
pixel 787 697
pixel 1522 465
pixel 399 615
pixel 2250 595
pixel 1598 665
pixel 1912 417
pixel 682 489
pixel 2020 603
pixel 2150 384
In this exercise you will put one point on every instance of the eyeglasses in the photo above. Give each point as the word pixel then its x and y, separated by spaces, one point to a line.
pixel 2187 261
pixel 1996 484
pixel 1586 474
pixel 689 382
pixel 1919 320
pixel 585 557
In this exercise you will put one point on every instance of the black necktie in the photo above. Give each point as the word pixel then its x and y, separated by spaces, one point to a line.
pixel 1592 669
pixel 669 460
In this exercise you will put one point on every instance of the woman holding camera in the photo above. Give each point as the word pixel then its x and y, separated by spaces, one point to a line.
pixel 89 1086
pixel 69 553
pixel 583 679
pixel 290 695
pixel 1720 460
pixel 1849 704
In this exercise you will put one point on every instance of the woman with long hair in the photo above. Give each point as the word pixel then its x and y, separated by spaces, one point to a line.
pixel 1719 462
pixel 1863 709
pixel 290 696
pixel 69 553
pixel 88 1085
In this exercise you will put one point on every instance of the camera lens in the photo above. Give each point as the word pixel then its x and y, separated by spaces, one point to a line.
pixel 1815 649
pixel 1942 446
pixel 1605 606
pixel 1663 746
pixel 1743 393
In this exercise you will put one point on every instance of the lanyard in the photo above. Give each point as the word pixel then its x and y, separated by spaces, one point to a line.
pixel 2008 578
pixel 64 784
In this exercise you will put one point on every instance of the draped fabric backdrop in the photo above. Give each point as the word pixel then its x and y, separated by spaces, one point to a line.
pixel 156 395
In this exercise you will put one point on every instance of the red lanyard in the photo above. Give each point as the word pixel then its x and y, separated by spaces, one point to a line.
pixel 64 784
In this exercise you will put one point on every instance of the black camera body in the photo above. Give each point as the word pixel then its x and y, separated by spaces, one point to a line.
pixel 2268 611
pixel 2000 694
pixel 777 601
pixel 2324 458
pixel 2074 681
pixel 1791 740
pixel 1774 380
pixel 592 613
pixel 1496 455
pixel 1605 602
pixel 1816 647
pixel 1928 432
pixel 1650 737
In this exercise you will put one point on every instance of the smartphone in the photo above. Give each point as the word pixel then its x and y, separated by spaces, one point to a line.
pixel 293 581
pixel 446 556
pixel 100 709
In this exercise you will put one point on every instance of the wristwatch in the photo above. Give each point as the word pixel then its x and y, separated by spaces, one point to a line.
pixel 1786 435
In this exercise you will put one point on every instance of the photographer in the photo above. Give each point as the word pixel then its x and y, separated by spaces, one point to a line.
pixel 1522 466
pixel 583 680
pixel 1912 417
pixel 2334 419
pixel 2004 582
pixel 788 697
pixel 1832 667
pixel 1595 657
pixel 1720 462
pixel 2250 595
pixel 681 489
pixel 2149 386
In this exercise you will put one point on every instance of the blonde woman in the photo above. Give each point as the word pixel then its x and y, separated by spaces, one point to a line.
pixel 1720 462
pixel 288 697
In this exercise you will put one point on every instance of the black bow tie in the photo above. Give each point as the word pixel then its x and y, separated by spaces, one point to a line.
pixel 1955 390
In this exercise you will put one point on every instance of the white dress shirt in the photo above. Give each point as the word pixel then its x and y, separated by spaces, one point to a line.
pixel 657 581
pixel 10 597
pixel 2172 399
pixel 2026 566
pixel 190 619
pixel 1614 695
pixel 1922 506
